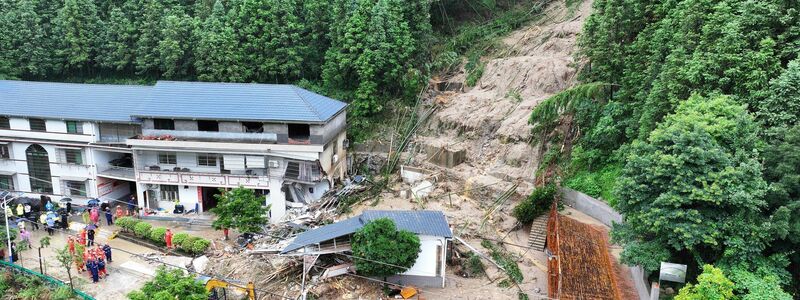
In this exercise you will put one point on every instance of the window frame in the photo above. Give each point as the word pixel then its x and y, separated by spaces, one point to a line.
pixel 164 158
pixel 5 151
pixel 7 182
pixel 207 159
pixel 43 127
pixel 166 189
pixel 164 124
pixel 76 156
pixel 250 127
pixel 78 127
pixel 5 123
pixel 79 188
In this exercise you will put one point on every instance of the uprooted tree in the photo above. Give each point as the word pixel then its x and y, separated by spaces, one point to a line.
pixel 379 249
pixel 240 209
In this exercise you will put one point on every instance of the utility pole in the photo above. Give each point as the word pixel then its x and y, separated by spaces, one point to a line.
pixel 6 198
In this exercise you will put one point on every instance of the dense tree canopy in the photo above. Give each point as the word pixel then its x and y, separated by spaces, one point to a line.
pixel 171 285
pixel 693 191
pixel 240 209
pixel 711 179
pixel 360 50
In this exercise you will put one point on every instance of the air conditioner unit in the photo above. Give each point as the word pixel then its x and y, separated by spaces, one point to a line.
pixel 274 164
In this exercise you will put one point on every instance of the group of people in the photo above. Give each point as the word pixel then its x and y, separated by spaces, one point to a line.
pixel 93 259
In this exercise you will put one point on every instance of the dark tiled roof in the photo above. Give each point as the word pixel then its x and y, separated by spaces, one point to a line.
pixel 421 222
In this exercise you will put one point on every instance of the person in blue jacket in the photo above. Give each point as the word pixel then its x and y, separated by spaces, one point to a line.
pixel 107 250
pixel 93 267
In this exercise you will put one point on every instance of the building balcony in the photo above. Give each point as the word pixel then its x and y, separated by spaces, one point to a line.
pixel 303 172
pixel 181 177
pixel 73 172
pixel 210 136
pixel 121 173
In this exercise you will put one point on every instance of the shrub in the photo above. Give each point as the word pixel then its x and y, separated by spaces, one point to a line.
pixel 157 235
pixel 475 265
pixel 188 243
pixel 200 245
pixel 142 229
pixel 127 223
pixel 536 204
pixel 178 238
pixel 385 250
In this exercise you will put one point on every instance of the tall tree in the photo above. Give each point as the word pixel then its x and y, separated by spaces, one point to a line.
pixel 78 25
pixel 693 191
pixel 218 52
pixel 147 57
pixel 175 46
pixel 272 34
pixel 28 40
pixel 117 48
pixel 371 46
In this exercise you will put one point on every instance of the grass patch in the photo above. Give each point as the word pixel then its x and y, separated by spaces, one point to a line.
pixel 505 260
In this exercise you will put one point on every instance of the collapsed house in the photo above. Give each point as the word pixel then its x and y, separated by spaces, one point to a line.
pixel 431 227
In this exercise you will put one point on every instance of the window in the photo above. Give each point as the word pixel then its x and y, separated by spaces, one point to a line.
pixel 74 127
pixel 6 183
pixel 253 127
pixel 76 188
pixel 37 124
pixel 167 158
pixel 169 192
pixel 39 169
pixel 4 123
pixel 299 133
pixel 165 124
pixel 4 152
pixel 207 159
pixel 208 125
pixel 73 156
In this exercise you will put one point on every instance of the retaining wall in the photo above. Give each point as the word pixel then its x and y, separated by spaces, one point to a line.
pixel 600 211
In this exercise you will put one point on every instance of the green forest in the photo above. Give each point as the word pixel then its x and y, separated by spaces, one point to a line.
pixel 686 122
pixel 371 53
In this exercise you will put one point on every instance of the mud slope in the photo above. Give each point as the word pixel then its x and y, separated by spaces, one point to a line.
pixel 489 120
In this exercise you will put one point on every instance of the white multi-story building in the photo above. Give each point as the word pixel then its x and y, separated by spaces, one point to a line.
pixel 171 142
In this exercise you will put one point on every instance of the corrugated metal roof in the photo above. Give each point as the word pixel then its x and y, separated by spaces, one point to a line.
pixel 421 222
pixel 238 101
pixel 167 99
pixel 52 100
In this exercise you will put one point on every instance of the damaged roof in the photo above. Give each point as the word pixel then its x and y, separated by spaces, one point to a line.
pixel 420 222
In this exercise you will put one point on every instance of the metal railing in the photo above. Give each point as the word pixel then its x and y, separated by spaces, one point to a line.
pixel 47 279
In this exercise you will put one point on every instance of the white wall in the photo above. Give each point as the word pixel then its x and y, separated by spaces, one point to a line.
pixel 277 200
pixel 426 261
pixel 187 195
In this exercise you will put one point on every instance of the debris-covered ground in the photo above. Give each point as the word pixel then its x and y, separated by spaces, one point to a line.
pixel 473 159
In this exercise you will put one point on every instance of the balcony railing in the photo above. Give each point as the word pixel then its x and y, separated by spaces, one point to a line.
pixel 118 173
pixel 203 179
pixel 212 136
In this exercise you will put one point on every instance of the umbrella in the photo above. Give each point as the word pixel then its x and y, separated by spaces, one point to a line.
pixel 23 200
pixel 91 227
pixel 66 200
pixel 52 215
pixel 93 202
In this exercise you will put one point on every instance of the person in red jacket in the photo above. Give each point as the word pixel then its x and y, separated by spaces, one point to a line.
pixel 119 212
pixel 82 237
pixel 168 238
pixel 71 243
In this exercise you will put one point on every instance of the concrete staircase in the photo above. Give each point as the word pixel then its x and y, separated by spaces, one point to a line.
pixel 538 234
